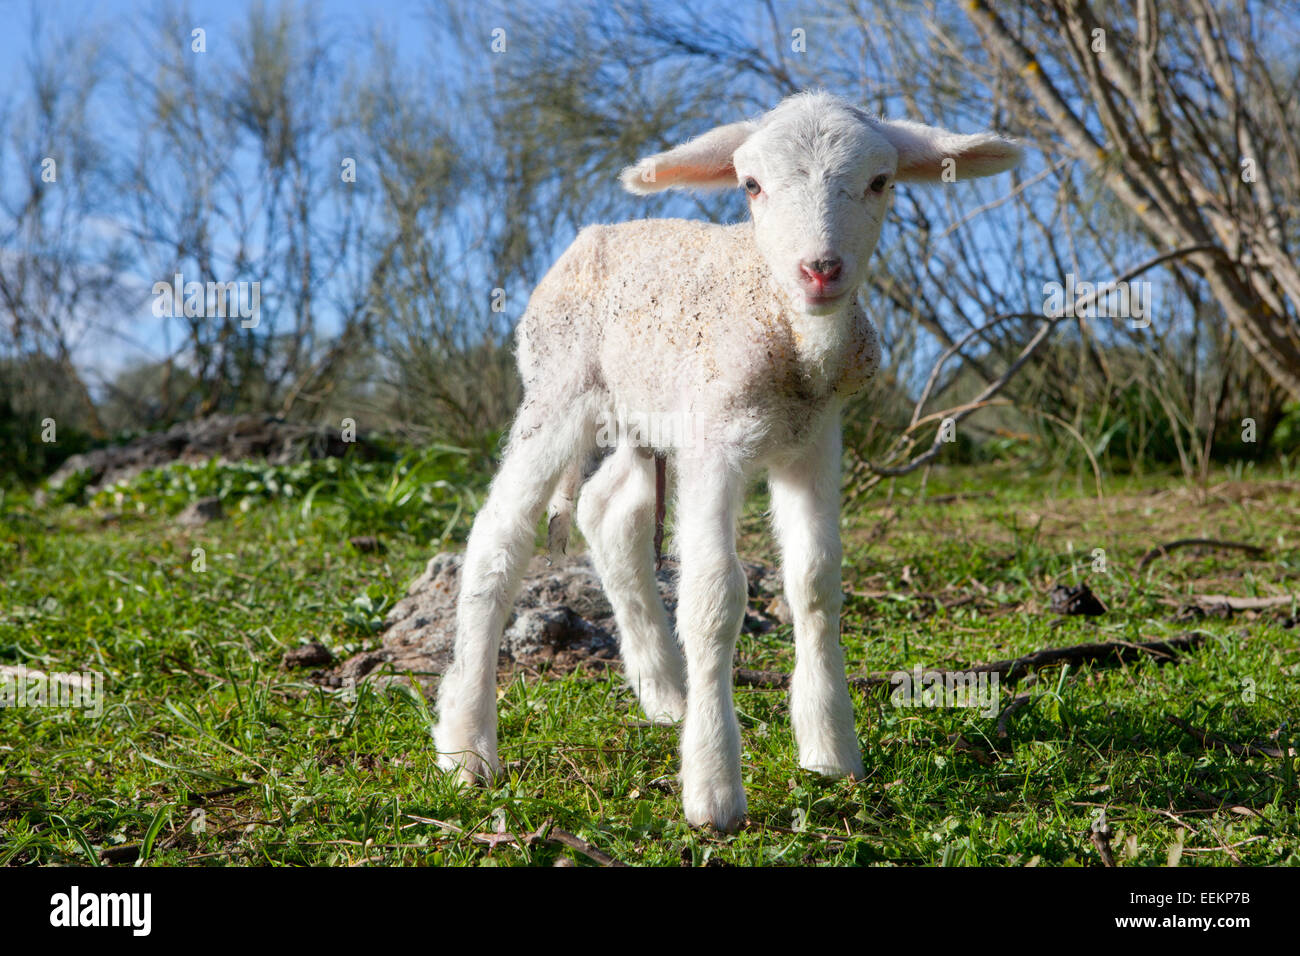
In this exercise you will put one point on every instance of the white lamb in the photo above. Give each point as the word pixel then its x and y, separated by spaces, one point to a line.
pixel 753 334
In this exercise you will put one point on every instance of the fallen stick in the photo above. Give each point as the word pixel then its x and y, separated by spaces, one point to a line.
pixel 1109 652
pixel 579 845
pixel 1228 847
pixel 546 833
pixel 1243 603
pixel 195 799
pixel 120 854
pixel 1004 718
pixel 1011 670
pixel 1160 550
pixel 1212 742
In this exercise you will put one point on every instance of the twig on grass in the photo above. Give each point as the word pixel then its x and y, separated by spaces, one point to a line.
pixel 1012 669
pixel 1104 653
pixel 1004 718
pixel 1225 848
pixel 1212 742
pixel 1222 847
pixel 1243 603
pixel 600 804
pixel 194 799
pixel 1160 550
pixel 579 845
pixel 546 833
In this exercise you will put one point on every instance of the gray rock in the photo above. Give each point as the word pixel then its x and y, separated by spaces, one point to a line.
pixel 562 621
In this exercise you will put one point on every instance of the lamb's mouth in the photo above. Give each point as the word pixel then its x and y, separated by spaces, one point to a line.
pixel 822 303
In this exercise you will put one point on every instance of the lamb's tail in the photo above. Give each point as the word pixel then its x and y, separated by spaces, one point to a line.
pixel 559 513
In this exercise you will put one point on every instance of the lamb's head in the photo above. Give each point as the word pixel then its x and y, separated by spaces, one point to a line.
pixel 819 174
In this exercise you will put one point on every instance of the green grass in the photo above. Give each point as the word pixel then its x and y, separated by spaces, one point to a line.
pixel 197 702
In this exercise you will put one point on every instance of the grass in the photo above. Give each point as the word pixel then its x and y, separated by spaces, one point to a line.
pixel 209 752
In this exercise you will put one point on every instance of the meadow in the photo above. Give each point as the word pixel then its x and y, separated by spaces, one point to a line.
pixel 210 751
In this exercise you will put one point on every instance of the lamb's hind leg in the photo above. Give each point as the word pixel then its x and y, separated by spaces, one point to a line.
pixel 543 441
pixel 616 515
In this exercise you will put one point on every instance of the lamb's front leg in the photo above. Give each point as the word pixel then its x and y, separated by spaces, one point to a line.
pixel 806 515
pixel 710 607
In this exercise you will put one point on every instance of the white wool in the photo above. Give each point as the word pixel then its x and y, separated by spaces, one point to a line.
pixel 752 334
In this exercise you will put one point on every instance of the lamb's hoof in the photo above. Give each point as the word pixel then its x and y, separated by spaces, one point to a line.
pixel 468 769
pixel 721 808
pixel 847 765
pixel 665 708
pixel 472 763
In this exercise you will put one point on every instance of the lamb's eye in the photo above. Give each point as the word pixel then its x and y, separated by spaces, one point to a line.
pixel 751 186
pixel 879 183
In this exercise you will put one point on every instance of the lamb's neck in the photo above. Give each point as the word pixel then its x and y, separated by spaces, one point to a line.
pixel 822 340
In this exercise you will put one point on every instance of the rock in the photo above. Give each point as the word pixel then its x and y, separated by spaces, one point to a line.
pixel 540 633
pixel 314 654
pixel 356 668
pixel 562 620
pixel 1076 600
pixel 200 512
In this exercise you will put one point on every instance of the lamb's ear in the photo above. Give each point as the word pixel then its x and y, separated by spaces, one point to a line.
pixel 701 163
pixel 929 154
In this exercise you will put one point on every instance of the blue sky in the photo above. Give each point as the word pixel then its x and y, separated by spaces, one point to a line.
pixel 122 25
pixel 407 19
pixel 412 27
pixel 407 24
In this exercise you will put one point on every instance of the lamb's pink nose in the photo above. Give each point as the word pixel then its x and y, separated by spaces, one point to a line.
pixel 820 272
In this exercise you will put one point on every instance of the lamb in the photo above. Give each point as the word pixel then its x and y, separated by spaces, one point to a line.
pixel 753 333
